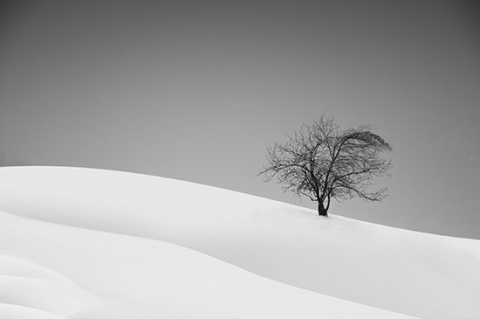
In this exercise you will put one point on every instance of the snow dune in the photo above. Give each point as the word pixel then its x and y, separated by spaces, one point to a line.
pixel 85 244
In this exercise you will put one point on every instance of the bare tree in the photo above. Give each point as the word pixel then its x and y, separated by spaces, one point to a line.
pixel 322 162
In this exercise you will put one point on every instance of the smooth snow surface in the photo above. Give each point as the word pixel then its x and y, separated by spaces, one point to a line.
pixel 84 244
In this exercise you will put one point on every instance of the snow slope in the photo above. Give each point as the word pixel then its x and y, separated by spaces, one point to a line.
pixel 85 243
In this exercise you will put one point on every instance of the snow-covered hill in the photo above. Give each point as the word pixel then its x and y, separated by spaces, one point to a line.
pixel 85 243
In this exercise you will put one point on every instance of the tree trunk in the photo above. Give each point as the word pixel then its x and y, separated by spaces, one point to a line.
pixel 322 211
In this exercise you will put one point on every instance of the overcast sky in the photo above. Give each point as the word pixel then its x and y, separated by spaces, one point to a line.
pixel 195 90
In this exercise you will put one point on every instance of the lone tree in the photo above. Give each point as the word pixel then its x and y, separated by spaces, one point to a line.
pixel 322 162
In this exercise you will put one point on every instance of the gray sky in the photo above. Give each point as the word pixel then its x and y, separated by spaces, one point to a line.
pixel 195 90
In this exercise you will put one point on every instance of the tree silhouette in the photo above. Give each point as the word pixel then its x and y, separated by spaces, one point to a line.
pixel 322 162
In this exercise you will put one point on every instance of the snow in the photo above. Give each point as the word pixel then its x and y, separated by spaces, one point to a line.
pixel 84 243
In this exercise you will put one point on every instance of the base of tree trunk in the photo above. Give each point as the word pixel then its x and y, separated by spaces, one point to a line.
pixel 322 211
